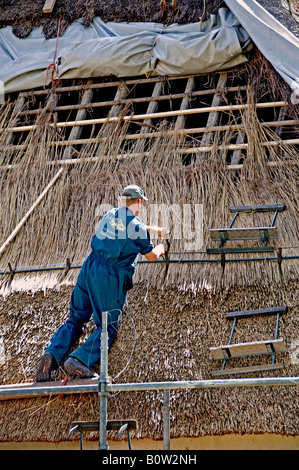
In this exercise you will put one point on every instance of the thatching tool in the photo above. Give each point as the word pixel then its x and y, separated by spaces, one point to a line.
pixel 166 255
pixel 65 272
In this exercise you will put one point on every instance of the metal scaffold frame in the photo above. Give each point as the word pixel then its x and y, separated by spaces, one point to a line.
pixel 68 265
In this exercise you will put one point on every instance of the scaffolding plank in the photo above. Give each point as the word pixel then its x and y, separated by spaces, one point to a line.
pixel 255 348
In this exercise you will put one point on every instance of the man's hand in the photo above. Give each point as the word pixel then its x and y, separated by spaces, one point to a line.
pixel 156 252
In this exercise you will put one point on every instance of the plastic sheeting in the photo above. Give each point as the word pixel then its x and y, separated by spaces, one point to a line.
pixel 123 50
pixel 274 41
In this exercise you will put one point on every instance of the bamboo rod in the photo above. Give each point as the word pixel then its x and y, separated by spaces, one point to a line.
pixel 272 143
pixel 136 81
pixel 151 135
pixel 137 117
pixel 139 100
pixel 32 208
pixel 76 161
pixel 186 151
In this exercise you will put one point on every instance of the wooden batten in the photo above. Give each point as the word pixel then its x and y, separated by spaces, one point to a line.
pixel 49 6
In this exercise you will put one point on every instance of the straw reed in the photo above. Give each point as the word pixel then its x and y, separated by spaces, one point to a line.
pixel 170 340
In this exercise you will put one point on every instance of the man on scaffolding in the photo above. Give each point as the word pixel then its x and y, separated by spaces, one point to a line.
pixel 102 285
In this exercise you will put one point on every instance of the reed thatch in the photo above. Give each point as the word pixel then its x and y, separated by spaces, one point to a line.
pixel 176 321
pixel 173 333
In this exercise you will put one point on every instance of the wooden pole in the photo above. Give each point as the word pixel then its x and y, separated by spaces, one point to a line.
pixel 32 208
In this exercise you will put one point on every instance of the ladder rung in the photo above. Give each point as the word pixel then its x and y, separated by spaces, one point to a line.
pixel 111 424
pixel 255 348
pixel 262 208
pixel 261 311
pixel 244 370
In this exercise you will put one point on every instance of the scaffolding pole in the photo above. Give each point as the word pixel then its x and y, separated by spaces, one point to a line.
pixel 166 420
pixel 199 384
pixel 103 381
pixel 14 392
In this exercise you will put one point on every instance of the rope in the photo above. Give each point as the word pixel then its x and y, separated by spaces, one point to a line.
pixel 54 70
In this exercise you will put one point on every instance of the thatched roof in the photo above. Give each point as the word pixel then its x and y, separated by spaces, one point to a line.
pixel 176 321
pixel 63 227
pixel 174 331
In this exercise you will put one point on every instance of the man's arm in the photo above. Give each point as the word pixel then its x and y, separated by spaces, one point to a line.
pixel 156 252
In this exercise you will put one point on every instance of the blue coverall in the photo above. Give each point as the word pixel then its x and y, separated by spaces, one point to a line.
pixel 102 285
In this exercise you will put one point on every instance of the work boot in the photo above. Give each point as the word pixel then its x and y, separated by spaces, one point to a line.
pixel 46 364
pixel 75 368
